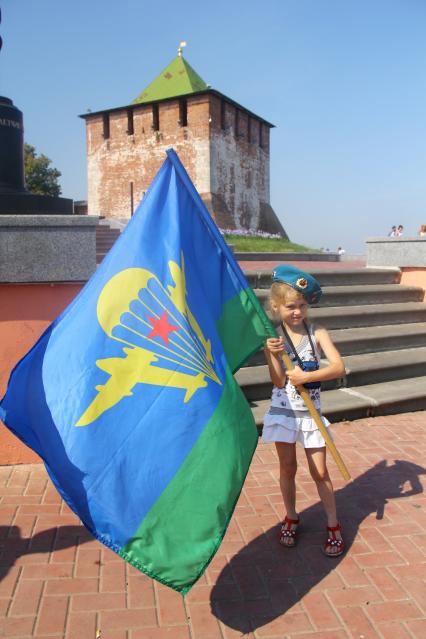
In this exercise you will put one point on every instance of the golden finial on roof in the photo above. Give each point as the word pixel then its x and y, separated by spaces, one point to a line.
pixel 181 45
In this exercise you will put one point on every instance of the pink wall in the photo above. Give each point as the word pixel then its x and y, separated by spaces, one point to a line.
pixel 26 310
pixel 414 276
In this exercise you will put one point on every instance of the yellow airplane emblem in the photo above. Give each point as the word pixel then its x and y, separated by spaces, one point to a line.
pixel 187 348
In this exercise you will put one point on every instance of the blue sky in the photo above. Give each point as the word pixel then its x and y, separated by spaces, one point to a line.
pixel 342 80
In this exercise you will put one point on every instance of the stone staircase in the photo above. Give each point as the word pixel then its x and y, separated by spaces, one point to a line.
pixel 379 327
pixel 105 238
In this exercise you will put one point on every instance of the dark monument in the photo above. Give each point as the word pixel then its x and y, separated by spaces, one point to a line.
pixel 14 198
pixel 40 239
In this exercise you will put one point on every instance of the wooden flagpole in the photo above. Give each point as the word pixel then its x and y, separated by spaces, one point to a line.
pixel 317 418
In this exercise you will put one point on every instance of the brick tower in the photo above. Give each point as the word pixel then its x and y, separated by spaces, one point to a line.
pixel 223 146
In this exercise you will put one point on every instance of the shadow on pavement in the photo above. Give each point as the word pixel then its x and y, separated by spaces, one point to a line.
pixel 268 579
pixel 13 546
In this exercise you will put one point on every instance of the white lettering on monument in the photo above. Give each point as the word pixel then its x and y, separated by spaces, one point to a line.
pixel 13 123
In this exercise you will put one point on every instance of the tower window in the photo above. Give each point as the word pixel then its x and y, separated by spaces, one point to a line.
pixel 249 128
pixel 130 127
pixel 105 124
pixel 260 135
pixel 131 199
pixel 222 115
pixel 183 112
pixel 155 118
pixel 237 123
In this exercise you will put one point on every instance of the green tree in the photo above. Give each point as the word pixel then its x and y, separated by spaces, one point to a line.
pixel 40 177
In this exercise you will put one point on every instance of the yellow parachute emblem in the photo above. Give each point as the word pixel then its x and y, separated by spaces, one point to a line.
pixel 133 308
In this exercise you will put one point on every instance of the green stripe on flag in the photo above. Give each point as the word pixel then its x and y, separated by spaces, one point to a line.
pixel 182 531
pixel 243 327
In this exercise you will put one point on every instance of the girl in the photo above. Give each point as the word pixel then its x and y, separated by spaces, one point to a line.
pixel 288 420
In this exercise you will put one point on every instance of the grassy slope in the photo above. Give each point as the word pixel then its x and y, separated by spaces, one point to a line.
pixel 265 245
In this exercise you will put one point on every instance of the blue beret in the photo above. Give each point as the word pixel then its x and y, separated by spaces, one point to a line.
pixel 301 281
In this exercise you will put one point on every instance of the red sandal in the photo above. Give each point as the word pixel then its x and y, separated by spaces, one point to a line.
pixel 333 542
pixel 288 536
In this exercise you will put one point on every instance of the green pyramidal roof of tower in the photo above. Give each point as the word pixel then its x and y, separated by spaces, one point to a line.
pixel 178 78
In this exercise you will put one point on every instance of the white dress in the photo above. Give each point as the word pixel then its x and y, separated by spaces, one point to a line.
pixel 288 419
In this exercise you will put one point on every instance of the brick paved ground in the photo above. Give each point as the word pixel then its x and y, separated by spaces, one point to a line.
pixel 57 582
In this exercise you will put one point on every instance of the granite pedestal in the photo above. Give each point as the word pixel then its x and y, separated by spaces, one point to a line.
pixel 47 248
pixel 396 251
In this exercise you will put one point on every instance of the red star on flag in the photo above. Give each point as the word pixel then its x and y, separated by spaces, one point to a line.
pixel 161 327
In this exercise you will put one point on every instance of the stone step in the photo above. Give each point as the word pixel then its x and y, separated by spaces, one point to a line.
pixel 370 368
pixel 105 244
pixel 356 295
pixel 368 339
pixel 106 234
pixel 106 230
pixel 388 398
pixel 104 241
pixel 106 238
pixel 374 368
pixel 368 314
pixel 329 277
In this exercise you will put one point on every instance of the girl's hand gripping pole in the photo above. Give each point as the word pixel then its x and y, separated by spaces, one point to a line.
pixel 317 418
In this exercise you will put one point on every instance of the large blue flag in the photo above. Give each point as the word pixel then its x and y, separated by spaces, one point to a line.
pixel 129 396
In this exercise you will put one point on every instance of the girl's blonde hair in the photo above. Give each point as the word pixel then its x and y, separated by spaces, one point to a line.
pixel 282 292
